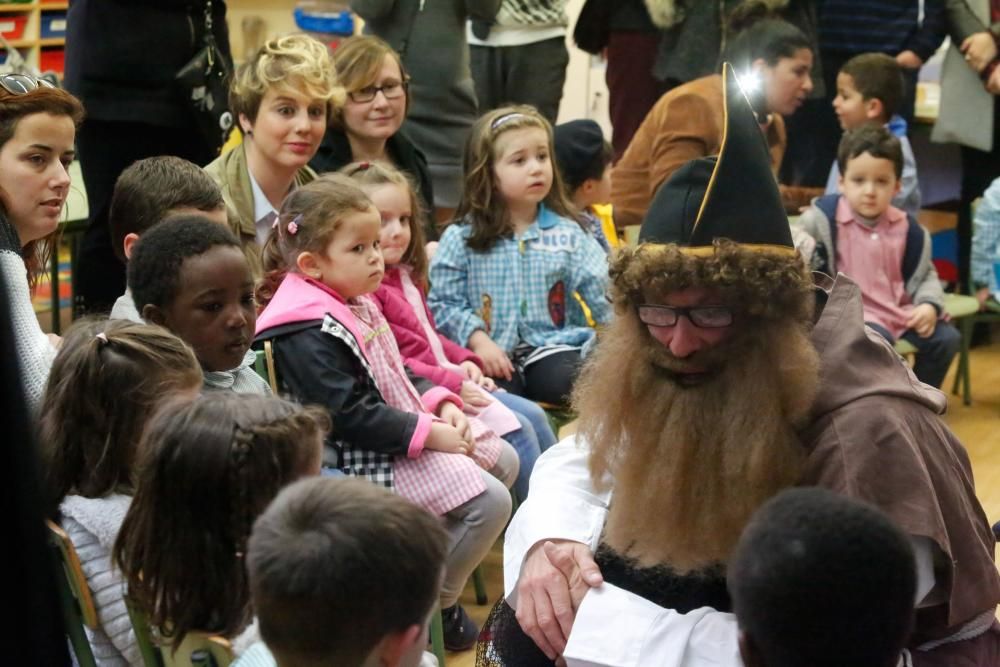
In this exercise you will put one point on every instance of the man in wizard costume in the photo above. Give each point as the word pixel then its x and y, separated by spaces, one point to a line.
pixel 729 374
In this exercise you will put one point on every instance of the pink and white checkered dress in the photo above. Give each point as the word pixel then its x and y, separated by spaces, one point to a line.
pixel 437 481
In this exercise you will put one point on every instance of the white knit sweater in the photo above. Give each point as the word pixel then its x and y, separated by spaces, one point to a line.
pixel 92 525
pixel 34 351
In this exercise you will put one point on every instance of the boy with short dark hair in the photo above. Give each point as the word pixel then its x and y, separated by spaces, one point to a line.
pixel 189 275
pixel 870 92
pixel 343 572
pixel 145 193
pixel 885 251
pixel 819 579
pixel 583 157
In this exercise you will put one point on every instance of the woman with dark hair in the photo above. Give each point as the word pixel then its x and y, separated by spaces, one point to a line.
pixel 367 127
pixel 773 59
pixel 37 133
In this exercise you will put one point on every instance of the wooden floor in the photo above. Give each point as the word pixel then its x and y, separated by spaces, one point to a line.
pixel 978 426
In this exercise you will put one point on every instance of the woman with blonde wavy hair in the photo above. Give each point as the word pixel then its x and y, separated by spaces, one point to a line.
pixel 281 98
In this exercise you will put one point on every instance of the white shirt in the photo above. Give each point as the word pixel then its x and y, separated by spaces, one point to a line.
pixel 615 628
pixel 264 213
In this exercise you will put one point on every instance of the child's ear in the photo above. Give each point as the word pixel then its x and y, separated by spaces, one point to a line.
pixel 127 244
pixel 154 315
pixel 400 648
pixel 874 109
pixel 307 265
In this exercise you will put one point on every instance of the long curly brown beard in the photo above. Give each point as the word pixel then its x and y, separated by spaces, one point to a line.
pixel 690 464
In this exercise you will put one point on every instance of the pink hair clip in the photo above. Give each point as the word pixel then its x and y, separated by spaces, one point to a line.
pixel 293 227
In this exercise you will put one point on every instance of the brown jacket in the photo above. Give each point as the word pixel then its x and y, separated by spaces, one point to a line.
pixel 876 436
pixel 685 124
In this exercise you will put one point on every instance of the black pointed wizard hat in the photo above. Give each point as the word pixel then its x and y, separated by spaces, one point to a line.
pixel 732 195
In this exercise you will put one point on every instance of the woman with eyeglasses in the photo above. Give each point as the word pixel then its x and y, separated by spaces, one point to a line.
pixel 281 98
pixel 37 133
pixel 367 127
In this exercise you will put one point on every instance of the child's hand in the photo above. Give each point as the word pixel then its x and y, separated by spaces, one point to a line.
pixel 473 397
pixel 453 415
pixel 446 438
pixel 923 319
pixel 496 363
pixel 982 295
pixel 472 371
pixel 488 384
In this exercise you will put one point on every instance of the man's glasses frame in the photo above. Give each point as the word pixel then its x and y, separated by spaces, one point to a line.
pixel 704 317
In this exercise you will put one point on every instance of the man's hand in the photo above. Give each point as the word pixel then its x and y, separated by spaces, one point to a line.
pixel 979 49
pixel 909 60
pixel 923 320
pixel 554 578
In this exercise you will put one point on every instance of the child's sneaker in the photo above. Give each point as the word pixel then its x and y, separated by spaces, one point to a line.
pixel 459 631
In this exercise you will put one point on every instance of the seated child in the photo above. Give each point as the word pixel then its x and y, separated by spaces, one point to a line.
pixel 869 92
pixel 149 191
pixel 517 280
pixel 986 247
pixel 208 468
pixel 822 580
pixel 332 346
pixel 106 381
pixel 583 157
pixel 401 296
pixel 860 233
pixel 343 573
pixel 188 274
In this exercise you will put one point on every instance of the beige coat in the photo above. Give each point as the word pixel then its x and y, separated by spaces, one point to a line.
pixel 231 173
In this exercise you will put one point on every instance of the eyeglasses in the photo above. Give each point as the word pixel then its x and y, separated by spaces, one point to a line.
pixel 392 91
pixel 20 84
pixel 706 317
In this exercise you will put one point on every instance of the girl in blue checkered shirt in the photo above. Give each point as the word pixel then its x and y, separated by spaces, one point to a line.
pixel 517 280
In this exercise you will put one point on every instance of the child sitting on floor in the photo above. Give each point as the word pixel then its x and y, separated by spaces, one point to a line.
pixel 343 573
pixel 332 346
pixel 401 296
pixel 149 191
pixel 887 253
pixel 106 381
pixel 189 275
pixel 208 468
pixel 819 579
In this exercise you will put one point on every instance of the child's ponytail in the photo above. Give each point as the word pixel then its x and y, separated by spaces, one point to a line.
pixel 106 380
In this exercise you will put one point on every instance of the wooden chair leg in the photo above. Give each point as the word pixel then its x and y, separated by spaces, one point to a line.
pixel 437 637
pixel 480 584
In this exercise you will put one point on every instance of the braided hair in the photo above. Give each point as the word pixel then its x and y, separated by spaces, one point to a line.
pixel 208 468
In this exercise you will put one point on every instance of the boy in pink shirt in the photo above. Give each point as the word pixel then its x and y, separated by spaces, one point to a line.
pixel 885 251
